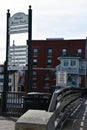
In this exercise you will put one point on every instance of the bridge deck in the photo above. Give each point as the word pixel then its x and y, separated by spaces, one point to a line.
pixel 78 119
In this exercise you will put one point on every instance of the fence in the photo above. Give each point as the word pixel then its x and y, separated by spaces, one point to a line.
pixel 19 102
pixel 14 103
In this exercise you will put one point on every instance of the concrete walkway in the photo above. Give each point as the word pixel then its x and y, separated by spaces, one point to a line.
pixel 7 123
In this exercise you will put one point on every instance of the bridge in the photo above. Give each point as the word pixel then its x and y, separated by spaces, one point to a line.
pixel 67 111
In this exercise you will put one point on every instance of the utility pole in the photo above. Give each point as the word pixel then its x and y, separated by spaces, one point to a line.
pixel 29 49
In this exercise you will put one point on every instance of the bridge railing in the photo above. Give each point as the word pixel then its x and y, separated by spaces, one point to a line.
pixel 14 103
pixel 63 103
pixel 17 103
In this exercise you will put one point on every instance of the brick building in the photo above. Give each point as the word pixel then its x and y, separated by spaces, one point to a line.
pixel 45 59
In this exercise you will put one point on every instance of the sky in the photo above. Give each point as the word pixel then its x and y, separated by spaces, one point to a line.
pixel 50 19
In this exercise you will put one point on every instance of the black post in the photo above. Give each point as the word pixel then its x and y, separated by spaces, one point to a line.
pixel 30 49
pixel 6 75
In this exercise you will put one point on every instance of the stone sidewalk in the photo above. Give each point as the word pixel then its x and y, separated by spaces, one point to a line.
pixel 7 123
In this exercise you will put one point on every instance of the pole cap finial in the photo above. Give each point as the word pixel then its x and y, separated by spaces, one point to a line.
pixel 29 6
pixel 8 10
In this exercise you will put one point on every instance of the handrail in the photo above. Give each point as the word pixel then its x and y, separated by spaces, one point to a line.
pixel 64 102
pixel 14 103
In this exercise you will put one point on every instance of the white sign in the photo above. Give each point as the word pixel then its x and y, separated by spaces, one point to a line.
pixel 17 57
pixel 62 78
pixel 17 68
pixel 18 23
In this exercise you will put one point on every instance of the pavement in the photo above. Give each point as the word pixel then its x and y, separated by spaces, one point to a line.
pixel 7 123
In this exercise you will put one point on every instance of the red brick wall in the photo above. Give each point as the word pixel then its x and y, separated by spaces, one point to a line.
pixel 57 46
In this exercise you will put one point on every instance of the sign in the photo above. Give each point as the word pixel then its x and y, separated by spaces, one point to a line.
pixel 18 23
pixel 62 78
pixel 17 68
pixel 17 57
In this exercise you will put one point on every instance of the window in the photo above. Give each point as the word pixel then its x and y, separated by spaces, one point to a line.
pixel 73 63
pixel 50 51
pixel 35 52
pixel 34 74
pixel 46 85
pixel 1 88
pixel 54 75
pixel 1 80
pixel 9 80
pixel 47 76
pixel 34 61
pixel 79 51
pixel 66 63
pixel 34 85
pixel 49 62
pixel 64 51
pixel 9 88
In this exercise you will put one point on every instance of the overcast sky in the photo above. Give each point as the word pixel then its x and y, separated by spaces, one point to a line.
pixel 51 19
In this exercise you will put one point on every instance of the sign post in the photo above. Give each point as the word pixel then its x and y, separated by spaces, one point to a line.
pixel 6 75
pixel 18 23
pixel 22 23
pixel 30 49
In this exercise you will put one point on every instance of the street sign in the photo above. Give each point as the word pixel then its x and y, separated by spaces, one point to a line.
pixel 18 23
pixel 17 57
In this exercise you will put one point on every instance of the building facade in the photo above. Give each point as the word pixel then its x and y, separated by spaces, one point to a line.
pixel 45 55
pixel 13 80
pixel 75 69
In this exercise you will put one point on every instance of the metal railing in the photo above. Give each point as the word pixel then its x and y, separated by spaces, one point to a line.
pixel 17 103
pixel 64 102
pixel 14 103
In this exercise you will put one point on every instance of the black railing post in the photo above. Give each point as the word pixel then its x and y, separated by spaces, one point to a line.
pixel 30 49
pixel 6 75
